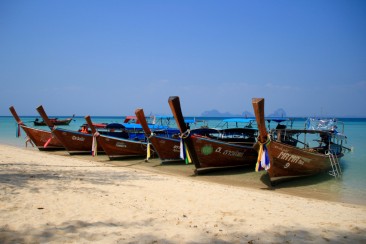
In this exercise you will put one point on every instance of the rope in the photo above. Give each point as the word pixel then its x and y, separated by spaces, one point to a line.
pixel 185 134
pixel 28 140
pixel 151 135
pixel 265 143
pixel 53 128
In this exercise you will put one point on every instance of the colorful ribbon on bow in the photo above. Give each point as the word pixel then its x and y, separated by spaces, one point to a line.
pixel 263 161
pixel 184 153
pixel 148 151
pixel 47 142
pixel 95 144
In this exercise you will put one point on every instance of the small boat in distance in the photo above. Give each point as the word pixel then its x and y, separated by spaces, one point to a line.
pixel 292 153
pixel 55 121
pixel 213 148
pixel 43 140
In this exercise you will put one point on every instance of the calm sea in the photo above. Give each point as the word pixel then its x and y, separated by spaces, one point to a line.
pixel 349 188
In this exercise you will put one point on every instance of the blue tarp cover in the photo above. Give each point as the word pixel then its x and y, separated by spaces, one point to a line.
pixel 239 120
pixel 115 126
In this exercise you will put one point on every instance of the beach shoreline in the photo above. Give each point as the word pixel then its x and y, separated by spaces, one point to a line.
pixel 307 187
pixel 52 197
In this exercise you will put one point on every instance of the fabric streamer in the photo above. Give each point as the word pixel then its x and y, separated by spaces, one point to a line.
pixel 183 153
pixel 182 149
pixel 263 161
pixel 47 142
pixel 148 151
pixel 95 144
pixel 188 157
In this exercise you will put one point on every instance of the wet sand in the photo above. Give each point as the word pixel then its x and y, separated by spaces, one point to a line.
pixel 319 187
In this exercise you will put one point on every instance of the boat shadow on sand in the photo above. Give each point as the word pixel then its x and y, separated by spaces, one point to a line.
pixel 298 182
pixel 235 170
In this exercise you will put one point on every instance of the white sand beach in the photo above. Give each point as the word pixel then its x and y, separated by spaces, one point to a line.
pixel 48 198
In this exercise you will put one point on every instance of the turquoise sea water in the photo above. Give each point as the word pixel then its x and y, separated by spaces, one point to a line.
pixel 349 188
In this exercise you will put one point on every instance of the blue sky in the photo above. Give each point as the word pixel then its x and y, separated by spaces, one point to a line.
pixel 111 57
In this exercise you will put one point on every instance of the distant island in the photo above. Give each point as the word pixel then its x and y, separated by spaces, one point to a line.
pixel 216 113
pixel 246 114
pixel 278 113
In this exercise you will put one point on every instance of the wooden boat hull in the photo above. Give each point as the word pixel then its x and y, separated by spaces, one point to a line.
pixel 75 142
pixel 122 148
pixel 290 162
pixel 168 149
pixel 214 153
pixel 40 137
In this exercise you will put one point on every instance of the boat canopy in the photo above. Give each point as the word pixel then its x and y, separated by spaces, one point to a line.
pixel 239 120
pixel 202 131
pixel 96 125
pixel 276 119
pixel 132 126
pixel 189 121
pixel 235 123
pixel 115 126
pixel 164 117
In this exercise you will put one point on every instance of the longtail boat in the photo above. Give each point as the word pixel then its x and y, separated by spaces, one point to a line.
pixel 119 147
pixel 55 121
pixel 290 153
pixel 43 140
pixel 211 148
pixel 166 145
pixel 74 142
